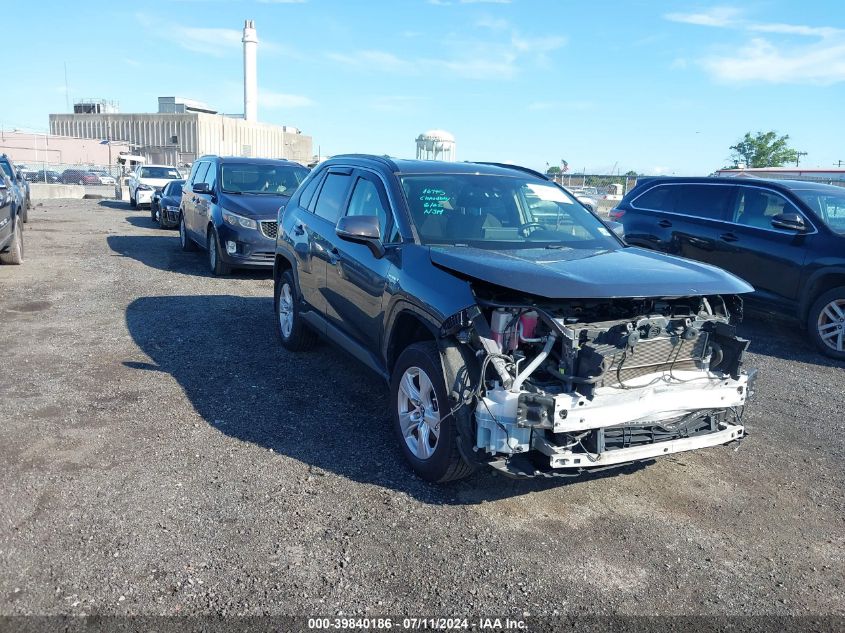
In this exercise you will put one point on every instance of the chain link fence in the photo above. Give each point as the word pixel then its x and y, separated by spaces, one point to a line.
pixel 98 180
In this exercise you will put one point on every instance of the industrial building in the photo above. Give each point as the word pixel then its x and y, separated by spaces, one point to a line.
pixel 183 129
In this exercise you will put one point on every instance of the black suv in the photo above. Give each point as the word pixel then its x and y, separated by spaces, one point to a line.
pixel 229 206
pixel 785 237
pixel 513 327
pixel 11 222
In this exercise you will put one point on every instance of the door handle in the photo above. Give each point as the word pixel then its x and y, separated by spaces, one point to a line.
pixel 728 237
pixel 299 230
pixel 334 255
pixel 664 224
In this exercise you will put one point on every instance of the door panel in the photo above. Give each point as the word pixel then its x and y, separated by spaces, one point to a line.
pixel 769 259
pixel 6 225
pixel 356 280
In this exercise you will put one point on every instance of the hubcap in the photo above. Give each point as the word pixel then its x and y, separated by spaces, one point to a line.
pixel 831 325
pixel 419 413
pixel 285 311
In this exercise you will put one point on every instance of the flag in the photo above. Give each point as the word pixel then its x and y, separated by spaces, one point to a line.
pixel 564 166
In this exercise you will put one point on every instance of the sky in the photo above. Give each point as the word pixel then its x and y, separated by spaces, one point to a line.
pixel 654 87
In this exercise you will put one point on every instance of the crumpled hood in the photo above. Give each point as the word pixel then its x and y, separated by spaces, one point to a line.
pixel 255 206
pixel 589 274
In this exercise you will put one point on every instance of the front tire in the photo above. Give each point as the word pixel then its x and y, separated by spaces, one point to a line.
pixel 295 335
pixel 15 253
pixel 215 262
pixel 184 240
pixel 132 203
pixel 422 418
pixel 826 323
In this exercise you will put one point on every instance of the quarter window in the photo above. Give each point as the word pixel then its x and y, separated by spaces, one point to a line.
pixel 332 196
pixel 211 175
pixel 307 195
pixel 704 201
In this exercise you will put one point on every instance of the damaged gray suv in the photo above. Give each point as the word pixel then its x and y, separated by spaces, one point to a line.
pixel 514 329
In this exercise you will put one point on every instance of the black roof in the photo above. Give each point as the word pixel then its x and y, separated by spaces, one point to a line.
pixel 776 183
pixel 246 160
pixel 411 166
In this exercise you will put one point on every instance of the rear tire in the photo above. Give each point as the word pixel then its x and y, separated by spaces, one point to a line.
pixel 14 255
pixel 295 335
pixel 153 215
pixel 422 418
pixel 215 262
pixel 826 323
pixel 185 241
pixel 132 203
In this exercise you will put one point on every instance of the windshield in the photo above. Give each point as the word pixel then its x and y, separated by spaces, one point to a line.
pixel 500 212
pixel 828 205
pixel 262 178
pixel 174 188
pixel 163 173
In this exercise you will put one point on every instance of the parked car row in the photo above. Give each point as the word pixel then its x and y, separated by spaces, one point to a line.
pixel 786 238
pixel 514 328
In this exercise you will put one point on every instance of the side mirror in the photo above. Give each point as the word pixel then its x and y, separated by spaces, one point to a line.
pixel 789 221
pixel 201 187
pixel 362 229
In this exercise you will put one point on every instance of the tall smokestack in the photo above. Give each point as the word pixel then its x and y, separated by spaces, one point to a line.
pixel 250 41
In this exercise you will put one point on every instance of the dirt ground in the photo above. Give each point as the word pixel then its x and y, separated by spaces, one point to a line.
pixel 161 454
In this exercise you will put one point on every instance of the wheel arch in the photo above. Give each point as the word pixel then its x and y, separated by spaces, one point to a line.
pixel 822 281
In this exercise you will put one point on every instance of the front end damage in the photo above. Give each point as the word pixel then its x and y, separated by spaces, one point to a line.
pixel 561 387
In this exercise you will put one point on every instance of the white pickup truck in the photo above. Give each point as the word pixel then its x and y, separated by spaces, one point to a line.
pixel 148 179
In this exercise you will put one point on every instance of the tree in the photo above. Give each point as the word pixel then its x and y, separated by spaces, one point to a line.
pixel 764 149
pixel 554 170
pixel 631 174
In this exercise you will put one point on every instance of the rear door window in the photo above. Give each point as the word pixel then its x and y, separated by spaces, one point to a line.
pixel 659 198
pixel 704 201
pixel 332 196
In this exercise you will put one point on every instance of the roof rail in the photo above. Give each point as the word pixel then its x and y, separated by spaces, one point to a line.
pixel 374 157
pixel 509 166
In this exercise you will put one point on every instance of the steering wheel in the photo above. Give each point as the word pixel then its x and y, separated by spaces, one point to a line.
pixel 524 229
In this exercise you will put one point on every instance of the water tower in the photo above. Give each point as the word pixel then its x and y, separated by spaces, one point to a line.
pixel 436 145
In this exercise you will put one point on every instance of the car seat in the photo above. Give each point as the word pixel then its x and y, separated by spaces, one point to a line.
pixel 754 210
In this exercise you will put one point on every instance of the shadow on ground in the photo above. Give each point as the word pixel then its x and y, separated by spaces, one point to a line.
pixel 120 205
pixel 321 407
pixel 163 252
pixel 780 337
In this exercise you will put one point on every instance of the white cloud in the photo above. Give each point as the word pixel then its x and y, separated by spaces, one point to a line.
pixel 494 24
pixel 373 60
pixel 282 1
pixel 210 41
pixel 760 60
pixel 273 100
pixel 717 16
pixel 797 29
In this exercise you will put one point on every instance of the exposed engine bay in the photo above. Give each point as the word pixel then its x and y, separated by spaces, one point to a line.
pixel 568 385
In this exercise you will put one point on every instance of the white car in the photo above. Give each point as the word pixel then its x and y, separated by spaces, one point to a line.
pixel 148 179
pixel 104 176
pixel 588 201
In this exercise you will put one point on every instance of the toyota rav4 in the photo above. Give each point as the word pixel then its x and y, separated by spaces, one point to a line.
pixel 513 327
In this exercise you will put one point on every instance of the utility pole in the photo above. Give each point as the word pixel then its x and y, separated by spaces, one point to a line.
pixel 839 163
pixel 798 156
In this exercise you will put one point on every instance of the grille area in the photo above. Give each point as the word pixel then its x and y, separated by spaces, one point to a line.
pixel 270 228
pixel 618 437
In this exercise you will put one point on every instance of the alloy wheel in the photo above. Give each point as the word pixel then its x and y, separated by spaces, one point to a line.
pixel 831 325
pixel 286 311
pixel 419 413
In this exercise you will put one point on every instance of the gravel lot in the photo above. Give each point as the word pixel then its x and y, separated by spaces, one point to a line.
pixel 161 454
